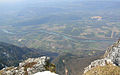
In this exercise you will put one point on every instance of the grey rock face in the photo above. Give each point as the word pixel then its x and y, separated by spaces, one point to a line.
pixel 27 67
pixel 112 56
pixel 100 62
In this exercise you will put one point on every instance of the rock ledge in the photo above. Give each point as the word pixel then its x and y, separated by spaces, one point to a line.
pixel 111 56
pixel 28 67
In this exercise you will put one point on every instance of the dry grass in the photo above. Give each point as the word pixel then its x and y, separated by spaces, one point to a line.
pixel 9 68
pixel 50 67
pixel 0 72
pixel 104 70
pixel 29 65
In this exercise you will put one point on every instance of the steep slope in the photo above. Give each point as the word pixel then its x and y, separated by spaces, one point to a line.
pixel 109 65
pixel 73 64
pixel 11 55
pixel 113 53
pixel 30 66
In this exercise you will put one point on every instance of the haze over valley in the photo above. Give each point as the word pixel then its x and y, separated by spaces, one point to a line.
pixel 70 29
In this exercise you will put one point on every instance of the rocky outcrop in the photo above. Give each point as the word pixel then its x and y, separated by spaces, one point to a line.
pixel 111 56
pixel 28 67
pixel 100 62
pixel 113 53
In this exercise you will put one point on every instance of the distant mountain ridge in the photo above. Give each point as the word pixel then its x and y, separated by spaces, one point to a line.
pixel 11 55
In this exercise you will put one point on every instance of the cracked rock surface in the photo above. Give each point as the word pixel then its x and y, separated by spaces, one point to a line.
pixel 111 56
pixel 27 67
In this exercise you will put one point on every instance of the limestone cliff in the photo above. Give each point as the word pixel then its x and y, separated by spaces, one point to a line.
pixel 110 61
pixel 30 67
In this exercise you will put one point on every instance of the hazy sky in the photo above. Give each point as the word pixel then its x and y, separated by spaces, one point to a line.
pixel 10 1
pixel 13 1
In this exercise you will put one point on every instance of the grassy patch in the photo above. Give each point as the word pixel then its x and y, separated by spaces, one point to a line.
pixel 104 70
